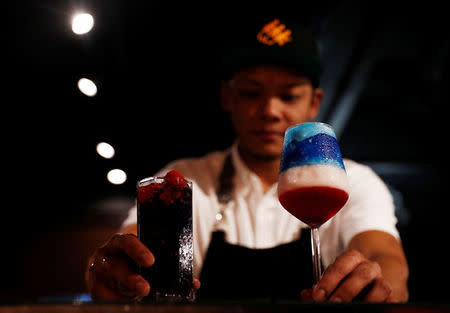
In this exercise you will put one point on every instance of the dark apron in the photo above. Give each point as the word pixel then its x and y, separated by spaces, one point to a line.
pixel 233 272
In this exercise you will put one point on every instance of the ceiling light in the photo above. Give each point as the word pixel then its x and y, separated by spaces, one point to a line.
pixel 116 176
pixel 105 150
pixel 82 23
pixel 87 87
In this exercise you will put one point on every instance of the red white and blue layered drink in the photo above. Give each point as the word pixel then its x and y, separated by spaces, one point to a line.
pixel 312 183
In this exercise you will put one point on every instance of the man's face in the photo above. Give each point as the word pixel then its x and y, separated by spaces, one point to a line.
pixel 264 101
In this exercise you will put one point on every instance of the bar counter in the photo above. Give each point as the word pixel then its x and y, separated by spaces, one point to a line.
pixel 260 307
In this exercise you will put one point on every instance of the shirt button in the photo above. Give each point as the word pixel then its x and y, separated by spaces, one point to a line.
pixel 219 216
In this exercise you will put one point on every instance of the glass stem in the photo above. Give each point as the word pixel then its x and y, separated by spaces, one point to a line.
pixel 315 247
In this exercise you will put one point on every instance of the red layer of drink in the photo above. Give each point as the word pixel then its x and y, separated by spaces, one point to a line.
pixel 313 205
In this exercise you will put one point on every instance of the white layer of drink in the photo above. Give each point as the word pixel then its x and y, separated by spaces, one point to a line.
pixel 312 176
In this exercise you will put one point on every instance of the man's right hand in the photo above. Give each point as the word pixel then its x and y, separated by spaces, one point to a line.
pixel 111 273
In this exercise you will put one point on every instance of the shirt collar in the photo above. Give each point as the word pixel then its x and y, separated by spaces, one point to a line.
pixel 243 173
pixel 246 178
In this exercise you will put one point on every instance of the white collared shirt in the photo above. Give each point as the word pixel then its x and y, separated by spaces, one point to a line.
pixel 256 219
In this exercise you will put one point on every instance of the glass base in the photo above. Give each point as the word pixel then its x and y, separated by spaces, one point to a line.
pixel 158 297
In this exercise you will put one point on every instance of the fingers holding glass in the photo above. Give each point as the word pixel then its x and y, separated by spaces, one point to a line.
pixel 132 247
pixel 113 278
pixel 352 277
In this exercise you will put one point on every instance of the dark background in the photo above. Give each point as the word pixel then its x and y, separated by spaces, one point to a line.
pixel 386 82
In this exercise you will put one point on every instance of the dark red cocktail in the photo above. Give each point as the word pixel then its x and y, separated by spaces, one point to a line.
pixel 314 205
pixel 165 227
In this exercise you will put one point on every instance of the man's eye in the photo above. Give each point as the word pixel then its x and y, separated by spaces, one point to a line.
pixel 249 94
pixel 290 97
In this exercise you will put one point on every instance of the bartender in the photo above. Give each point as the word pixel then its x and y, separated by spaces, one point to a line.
pixel 245 244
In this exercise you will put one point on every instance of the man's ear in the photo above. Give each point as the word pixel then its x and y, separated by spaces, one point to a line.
pixel 225 96
pixel 316 101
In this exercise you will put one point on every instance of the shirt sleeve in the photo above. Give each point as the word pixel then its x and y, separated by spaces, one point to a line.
pixel 131 218
pixel 370 205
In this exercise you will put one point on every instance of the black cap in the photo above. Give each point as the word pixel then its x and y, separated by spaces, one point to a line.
pixel 274 41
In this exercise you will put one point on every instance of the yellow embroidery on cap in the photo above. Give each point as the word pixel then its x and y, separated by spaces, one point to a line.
pixel 274 33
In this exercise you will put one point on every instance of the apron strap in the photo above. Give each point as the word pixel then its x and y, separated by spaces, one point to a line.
pixel 225 189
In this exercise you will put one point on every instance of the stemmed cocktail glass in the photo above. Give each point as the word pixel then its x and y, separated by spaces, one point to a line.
pixel 312 182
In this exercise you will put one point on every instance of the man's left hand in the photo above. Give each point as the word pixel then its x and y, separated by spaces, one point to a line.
pixel 351 277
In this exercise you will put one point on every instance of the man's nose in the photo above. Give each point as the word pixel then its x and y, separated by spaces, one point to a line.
pixel 271 108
